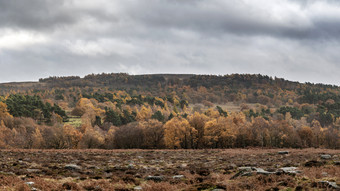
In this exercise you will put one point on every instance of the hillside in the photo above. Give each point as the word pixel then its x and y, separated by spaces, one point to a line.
pixel 110 110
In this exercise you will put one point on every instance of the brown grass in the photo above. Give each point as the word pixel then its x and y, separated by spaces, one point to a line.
pixel 202 169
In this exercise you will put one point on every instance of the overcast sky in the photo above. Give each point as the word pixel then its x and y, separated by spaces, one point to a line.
pixel 295 39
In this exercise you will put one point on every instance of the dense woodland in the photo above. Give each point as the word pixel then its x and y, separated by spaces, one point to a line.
pixel 168 111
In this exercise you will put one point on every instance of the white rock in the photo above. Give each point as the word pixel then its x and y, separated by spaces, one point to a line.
pixel 326 156
pixel 29 183
pixel 72 167
pixel 178 177
pixel 138 188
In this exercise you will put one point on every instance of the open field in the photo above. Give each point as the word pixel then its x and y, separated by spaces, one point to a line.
pixel 316 169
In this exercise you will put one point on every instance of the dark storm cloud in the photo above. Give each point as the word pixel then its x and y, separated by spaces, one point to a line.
pixel 240 18
pixel 296 39
pixel 35 14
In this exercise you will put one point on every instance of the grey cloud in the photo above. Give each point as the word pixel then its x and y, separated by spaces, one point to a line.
pixel 34 14
pixel 236 17
pixel 215 17
pixel 298 40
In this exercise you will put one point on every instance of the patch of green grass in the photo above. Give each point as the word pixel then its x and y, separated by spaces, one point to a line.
pixel 74 121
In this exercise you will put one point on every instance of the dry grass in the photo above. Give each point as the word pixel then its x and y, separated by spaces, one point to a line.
pixel 126 169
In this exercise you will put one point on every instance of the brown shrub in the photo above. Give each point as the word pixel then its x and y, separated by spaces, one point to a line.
pixel 70 186
pixel 22 187
pixel 163 186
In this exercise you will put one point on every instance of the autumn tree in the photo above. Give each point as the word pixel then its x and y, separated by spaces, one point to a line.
pixel 179 134
pixel 88 110
pixel 144 113
pixel 220 132
pixel 153 133
pixel 306 135
pixel 93 137
pixel 129 136
pixel 260 131
pixel 197 121
pixel 72 136
pixel 3 110
pixel 37 139
pixel 5 136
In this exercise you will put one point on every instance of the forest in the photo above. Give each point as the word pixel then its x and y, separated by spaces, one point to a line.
pixel 168 111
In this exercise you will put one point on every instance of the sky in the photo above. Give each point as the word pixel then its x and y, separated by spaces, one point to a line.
pixel 298 40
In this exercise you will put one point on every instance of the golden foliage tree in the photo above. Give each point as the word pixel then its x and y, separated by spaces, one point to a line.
pixel 198 121
pixel 220 132
pixel 3 110
pixel 144 113
pixel 37 139
pixel 88 110
pixel 72 136
pixel 179 134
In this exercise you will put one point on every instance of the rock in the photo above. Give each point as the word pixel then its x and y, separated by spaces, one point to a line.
pixel 337 163
pixel 72 167
pixel 7 173
pixel 334 185
pixel 155 178
pixel 249 171
pixel 178 177
pixel 283 152
pixel 245 168
pixel 329 184
pixel 261 171
pixel 33 170
pixel 324 174
pixel 243 171
pixel 183 165
pixel 326 157
pixel 131 166
pixel 232 165
pixel 138 188
pixel 287 169
pixel 314 163
pixel 29 183
pixel 290 170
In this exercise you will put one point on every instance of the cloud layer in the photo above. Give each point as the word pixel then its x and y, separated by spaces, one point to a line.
pixel 294 39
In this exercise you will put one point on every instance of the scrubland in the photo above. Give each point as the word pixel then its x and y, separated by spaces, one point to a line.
pixel 157 170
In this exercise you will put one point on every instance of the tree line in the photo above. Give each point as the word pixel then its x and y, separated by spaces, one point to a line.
pixel 113 110
pixel 107 126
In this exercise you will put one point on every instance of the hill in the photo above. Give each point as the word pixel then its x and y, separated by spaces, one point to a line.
pixel 110 110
